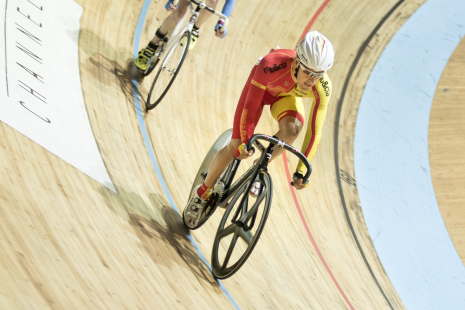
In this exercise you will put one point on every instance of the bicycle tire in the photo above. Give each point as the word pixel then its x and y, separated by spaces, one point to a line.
pixel 185 49
pixel 223 272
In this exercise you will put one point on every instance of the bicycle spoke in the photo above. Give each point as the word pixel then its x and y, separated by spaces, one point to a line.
pixel 245 235
pixel 239 210
pixel 167 72
pixel 227 231
pixel 230 250
pixel 170 71
pixel 242 208
pixel 174 61
pixel 233 253
pixel 246 202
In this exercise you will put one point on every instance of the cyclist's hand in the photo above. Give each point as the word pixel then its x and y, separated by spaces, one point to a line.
pixel 242 153
pixel 218 32
pixel 298 179
pixel 169 6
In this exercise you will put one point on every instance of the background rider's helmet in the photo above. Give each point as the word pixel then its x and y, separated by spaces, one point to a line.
pixel 315 51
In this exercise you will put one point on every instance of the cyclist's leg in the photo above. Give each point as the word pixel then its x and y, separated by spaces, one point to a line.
pixel 221 161
pixel 204 14
pixel 170 22
pixel 202 18
pixel 226 155
pixel 289 112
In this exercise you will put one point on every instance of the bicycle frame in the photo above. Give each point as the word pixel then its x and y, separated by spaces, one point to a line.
pixel 175 37
pixel 261 164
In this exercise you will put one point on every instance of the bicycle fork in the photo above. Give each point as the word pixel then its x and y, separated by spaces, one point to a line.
pixel 246 216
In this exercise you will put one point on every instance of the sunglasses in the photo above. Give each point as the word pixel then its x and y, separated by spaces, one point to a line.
pixel 309 72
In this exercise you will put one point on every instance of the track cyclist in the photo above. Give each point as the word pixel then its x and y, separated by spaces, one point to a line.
pixel 280 79
pixel 177 13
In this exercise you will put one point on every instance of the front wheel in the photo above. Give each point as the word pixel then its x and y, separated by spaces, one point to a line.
pixel 168 70
pixel 239 231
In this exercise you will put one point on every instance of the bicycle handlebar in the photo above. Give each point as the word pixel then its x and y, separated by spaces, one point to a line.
pixel 202 5
pixel 285 146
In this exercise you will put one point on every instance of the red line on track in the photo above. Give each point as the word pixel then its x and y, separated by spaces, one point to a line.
pixel 299 210
pixel 317 13
pixel 294 197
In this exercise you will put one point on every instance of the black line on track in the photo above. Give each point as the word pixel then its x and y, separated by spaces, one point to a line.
pixel 336 136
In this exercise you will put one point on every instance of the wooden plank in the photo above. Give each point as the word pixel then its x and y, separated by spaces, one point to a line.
pixel 446 143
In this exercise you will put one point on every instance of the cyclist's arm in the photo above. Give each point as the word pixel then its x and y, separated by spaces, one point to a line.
pixel 228 7
pixel 253 101
pixel 250 110
pixel 316 120
pixel 227 10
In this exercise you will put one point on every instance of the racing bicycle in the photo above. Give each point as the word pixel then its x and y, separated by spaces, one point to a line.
pixel 172 53
pixel 245 215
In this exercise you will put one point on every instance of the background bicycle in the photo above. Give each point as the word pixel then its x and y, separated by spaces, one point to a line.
pixel 172 52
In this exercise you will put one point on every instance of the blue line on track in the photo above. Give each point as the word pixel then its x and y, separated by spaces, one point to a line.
pixel 148 145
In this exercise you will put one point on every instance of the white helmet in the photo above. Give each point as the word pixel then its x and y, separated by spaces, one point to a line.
pixel 315 51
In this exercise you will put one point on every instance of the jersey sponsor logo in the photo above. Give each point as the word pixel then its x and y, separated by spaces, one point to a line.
pixel 276 90
pixel 275 67
pixel 243 135
pixel 316 94
pixel 244 118
pixel 242 126
pixel 325 86
pixel 258 84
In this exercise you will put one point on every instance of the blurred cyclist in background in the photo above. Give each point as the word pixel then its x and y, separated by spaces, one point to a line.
pixel 280 79
pixel 177 13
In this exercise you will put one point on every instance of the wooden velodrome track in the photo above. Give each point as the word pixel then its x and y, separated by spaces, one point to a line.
pixel 446 145
pixel 69 243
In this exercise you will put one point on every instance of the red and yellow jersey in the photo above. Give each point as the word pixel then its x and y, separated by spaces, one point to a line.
pixel 271 80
